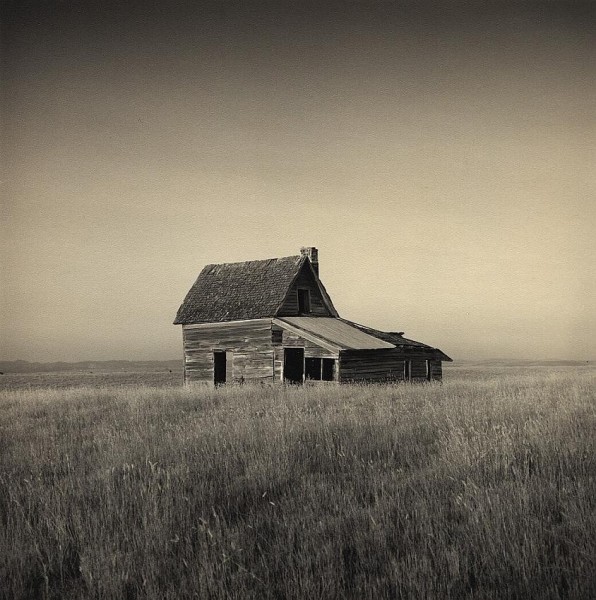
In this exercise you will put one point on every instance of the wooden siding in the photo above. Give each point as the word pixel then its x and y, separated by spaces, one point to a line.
pixel 249 352
pixel 436 370
pixel 252 356
pixel 386 365
pixel 371 365
pixel 418 370
pixel 305 280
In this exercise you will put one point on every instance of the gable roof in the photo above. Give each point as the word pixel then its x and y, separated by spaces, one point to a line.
pixel 244 290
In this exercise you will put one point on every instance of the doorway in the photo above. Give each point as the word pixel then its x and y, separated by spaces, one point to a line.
pixel 219 367
pixel 294 365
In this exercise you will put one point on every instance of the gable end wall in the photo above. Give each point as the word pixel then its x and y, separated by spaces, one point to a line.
pixel 305 280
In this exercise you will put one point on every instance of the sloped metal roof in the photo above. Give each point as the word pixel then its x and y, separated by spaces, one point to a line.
pixel 396 338
pixel 336 332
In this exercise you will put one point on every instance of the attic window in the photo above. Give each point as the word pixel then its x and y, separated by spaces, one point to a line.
pixel 303 301
pixel 277 336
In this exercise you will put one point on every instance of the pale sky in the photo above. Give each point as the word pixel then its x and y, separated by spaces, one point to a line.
pixel 441 159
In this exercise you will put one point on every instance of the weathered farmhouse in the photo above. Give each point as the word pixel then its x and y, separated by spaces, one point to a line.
pixel 273 320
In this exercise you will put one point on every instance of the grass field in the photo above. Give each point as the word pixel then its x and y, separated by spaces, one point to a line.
pixel 99 379
pixel 483 487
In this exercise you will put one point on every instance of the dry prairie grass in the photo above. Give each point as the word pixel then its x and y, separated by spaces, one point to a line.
pixel 484 487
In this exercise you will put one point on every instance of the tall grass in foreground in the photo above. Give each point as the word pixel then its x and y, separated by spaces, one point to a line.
pixel 482 490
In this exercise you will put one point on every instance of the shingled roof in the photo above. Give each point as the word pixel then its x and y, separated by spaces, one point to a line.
pixel 245 290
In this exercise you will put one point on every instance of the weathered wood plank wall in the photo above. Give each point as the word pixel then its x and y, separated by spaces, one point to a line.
pixel 386 365
pixel 418 370
pixel 370 365
pixel 251 355
pixel 249 351
pixel 436 370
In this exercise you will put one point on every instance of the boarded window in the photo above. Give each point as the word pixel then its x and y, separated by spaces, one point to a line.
pixel 277 336
pixel 419 369
pixel 303 301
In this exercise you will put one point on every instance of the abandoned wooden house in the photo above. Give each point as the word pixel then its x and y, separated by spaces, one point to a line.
pixel 273 320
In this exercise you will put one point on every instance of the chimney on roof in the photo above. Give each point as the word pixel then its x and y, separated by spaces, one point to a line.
pixel 313 255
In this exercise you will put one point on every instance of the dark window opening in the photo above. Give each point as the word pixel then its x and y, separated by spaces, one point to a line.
pixel 328 369
pixel 277 336
pixel 319 369
pixel 407 370
pixel 219 367
pixel 312 368
pixel 294 365
pixel 304 301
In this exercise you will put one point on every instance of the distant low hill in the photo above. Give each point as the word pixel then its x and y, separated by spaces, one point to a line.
pixel 24 366
pixel 518 362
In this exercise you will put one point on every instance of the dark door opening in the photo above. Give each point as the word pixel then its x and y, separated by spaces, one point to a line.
pixel 219 367
pixel 294 365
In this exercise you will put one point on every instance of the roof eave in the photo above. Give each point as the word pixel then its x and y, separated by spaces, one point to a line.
pixel 180 320
pixel 307 335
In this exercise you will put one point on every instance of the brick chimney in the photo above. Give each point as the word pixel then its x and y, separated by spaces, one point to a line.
pixel 313 255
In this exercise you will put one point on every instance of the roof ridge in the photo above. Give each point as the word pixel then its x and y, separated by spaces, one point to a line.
pixel 259 260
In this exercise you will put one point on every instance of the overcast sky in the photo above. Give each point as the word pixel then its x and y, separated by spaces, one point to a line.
pixel 440 157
